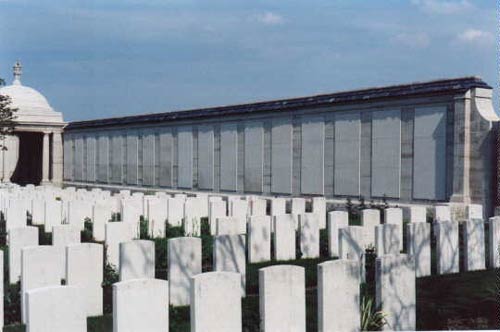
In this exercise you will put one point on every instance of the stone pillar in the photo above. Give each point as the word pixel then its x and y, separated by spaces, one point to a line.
pixel 46 158
pixel 57 158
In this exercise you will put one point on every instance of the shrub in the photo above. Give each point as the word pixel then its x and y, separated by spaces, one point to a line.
pixel 86 234
pixel 110 277
pixel 371 318
pixel 12 303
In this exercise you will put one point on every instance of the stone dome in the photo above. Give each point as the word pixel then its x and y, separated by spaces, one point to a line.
pixel 31 105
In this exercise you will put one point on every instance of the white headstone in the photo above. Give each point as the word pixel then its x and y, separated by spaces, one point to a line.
pixel 258 207
pixel 216 302
pixel 282 298
pixel 84 269
pixel 336 220
pixel 284 237
pixel 227 226
pixel 298 205
pixel 53 214
pixel 352 242
pixel 319 207
pixel 474 211
pixel 238 209
pixel 217 209
pixel 193 212
pixel 447 251
pixel 184 261
pixel 339 296
pixel 18 239
pixel 38 211
pixel 55 309
pixel 137 260
pixel 229 256
pixel 62 236
pixel 157 216
pixel 140 305
pixel 387 239
pixel 132 210
pixel 394 216
pixel 117 232
pixel 175 211
pixel 309 235
pixel 419 246
pixel 40 267
pixel 278 206
pixel 101 215
pixel 16 213
pixel 369 219
pixel 396 291
pixel 442 213
pixel 474 251
pixel 259 239
pixel 418 214
pixel 494 242
pixel 78 211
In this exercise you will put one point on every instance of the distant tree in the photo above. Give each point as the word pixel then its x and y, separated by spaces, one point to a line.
pixel 7 117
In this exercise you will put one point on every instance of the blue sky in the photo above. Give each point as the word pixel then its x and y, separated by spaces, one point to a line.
pixel 103 58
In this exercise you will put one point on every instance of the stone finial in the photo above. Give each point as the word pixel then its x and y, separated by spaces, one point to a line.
pixel 18 70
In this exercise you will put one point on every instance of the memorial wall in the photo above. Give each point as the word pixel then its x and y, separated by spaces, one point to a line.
pixel 415 143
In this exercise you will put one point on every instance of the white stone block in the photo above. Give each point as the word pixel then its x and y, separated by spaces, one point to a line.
pixel 62 236
pixel 84 269
pixel 38 211
pixel 132 210
pixel 217 209
pixel 229 256
pixel 55 309
pixel 282 298
pixel 239 210
pixel 18 239
pixel 419 246
pixel 278 206
pixel 175 211
pixel 193 212
pixel 447 251
pixel 101 215
pixel 339 296
pixel 227 226
pixel 184 262
pixel 396 291
pixel 494 242
pixel 369 219
pixel 336 220
pixel 387 239
pixel 284 237
pixel 117 232
pixel 216 302
pixel 16 215
pixel 309 235
pixel 157 216
pixel 352 242
pixel 474 251
pixel 78 211
pixel 40 267
pixel 53 214
pixel 140 305
pixel 258 207
pixel 418 214
pixel 319 207
pixel 474 211
pixel 259 239
pixel 442 213
pixel 298 205
pixel 394 216
pixel 137 260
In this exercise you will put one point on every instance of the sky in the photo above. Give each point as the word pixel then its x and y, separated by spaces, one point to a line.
pixel 107 58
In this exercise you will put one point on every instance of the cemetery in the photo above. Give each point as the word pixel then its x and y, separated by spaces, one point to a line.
pixel 373 267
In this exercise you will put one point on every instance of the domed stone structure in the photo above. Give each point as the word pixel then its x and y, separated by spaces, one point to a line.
pixel 34 151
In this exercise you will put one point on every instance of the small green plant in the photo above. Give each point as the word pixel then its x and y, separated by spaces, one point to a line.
pixel 371 318
pixel 86 234
pixel 144 229
pixel 110 277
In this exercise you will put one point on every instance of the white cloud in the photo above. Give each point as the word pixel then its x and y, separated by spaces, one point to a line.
pixel 414 40
pixel 443 6
pixel 269 18
pixel 475 36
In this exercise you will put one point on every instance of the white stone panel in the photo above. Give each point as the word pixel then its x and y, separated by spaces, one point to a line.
pixel 166 159
pixel 419 246
pixel 396 291
pixel 184 262
pixel 259 239
pixel 230 256
pixel 227 226
pixel 386 153
pixel 91 159
pixel 258 207
pixel 18 239
pixel 132 209
pixel 55 309
pixel 148 159
pixel 116 160
pixel 101 215
pixel 63 235
pixel 216 294
pixel 339 296
pixel 193 212
pixel 132 158
pixel 447 251
pixel 175 211
pixel 394 216
pixel 185 157
pixel 281 156
pixel 117 232
pixel 352 242
pixel 53 214
pixel 229 156
pixel 140 305
pixel 442 213
pixel 102 159
pixel 284 237
pixel 217 209
pixel 309 235
pixel 347 153
pixel 78 211
pixel 319 208
pixel 418 214
pixel 38 210
pixel 205 157
pixel 312 161
pixel 283 287
pixel 369 219
pixel 254 156
pixel 157 216
pixel 474 251
pixel 387 239
pixel 84 270
pixel 40 267
pixel 336 221
pixel 137 260
pixel 239 210
pixel 474 211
